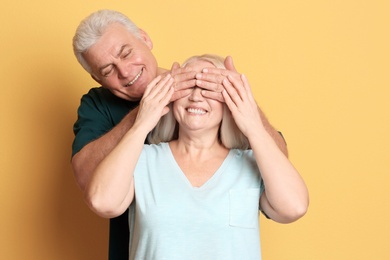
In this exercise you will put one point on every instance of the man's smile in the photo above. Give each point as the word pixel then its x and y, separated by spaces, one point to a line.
pixel 135 78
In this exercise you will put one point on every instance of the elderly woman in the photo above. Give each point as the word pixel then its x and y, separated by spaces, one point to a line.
pixel 197 189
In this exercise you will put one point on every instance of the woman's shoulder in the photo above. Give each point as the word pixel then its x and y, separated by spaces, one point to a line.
pixel 154 152
pixel 161 145
pixel 155 148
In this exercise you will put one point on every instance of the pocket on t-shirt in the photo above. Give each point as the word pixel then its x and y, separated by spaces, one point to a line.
pixel 244 208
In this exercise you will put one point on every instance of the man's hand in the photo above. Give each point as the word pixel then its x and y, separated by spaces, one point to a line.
pixel 184 81
pixel 211 79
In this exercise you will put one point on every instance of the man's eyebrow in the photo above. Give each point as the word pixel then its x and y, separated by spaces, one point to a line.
pixel 121 50
pixel 117 55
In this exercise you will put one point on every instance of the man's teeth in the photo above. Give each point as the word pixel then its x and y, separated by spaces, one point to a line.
pixel 135 79
pixel 196 111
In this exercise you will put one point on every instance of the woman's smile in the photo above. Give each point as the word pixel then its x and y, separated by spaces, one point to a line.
pixel 197 111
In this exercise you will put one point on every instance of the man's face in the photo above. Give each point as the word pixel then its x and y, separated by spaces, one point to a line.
pixel 122 63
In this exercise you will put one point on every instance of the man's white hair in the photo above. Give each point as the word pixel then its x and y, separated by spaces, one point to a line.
pixel 92 28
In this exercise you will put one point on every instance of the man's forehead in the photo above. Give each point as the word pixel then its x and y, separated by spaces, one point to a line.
pixel 111 44
pixel 115 32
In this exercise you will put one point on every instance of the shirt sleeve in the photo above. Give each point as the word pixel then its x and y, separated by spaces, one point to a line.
pixel 262 188
pixel 92 121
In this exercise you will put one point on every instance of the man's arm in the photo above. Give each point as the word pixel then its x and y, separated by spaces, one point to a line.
pixel 85 161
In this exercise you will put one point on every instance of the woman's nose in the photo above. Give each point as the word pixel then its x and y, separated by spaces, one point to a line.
pixel 196 94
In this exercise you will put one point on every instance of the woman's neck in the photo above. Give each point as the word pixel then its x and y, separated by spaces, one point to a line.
pixel 197 159
pixel 198 149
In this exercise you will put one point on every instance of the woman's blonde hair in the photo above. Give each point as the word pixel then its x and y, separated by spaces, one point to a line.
pixel 229 134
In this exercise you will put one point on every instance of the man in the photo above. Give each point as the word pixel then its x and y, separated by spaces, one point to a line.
pixel 117 54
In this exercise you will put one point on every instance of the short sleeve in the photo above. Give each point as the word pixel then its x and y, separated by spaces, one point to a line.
pixel 98 113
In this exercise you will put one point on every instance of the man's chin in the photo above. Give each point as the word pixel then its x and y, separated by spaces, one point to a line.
pixel 132 98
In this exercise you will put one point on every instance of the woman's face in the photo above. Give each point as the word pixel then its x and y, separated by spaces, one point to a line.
pixel 195 112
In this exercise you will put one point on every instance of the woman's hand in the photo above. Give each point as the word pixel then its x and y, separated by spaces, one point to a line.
pixel 239 99
pixel 154 103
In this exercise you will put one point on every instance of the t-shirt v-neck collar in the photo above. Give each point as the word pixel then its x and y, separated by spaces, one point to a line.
pixel 210 181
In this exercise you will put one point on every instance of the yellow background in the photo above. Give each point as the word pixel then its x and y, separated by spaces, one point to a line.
pixel 319 69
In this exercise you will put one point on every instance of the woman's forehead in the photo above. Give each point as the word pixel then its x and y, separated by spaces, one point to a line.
pixel 199 64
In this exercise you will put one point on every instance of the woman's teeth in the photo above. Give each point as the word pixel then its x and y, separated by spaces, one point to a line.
pixel 196 111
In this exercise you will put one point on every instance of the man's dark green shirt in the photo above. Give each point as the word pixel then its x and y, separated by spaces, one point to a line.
pixel 98 113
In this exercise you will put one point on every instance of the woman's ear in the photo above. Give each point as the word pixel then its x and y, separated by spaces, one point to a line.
pixel 145 37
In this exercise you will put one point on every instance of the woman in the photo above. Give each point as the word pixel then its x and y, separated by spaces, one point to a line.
pixel 197 190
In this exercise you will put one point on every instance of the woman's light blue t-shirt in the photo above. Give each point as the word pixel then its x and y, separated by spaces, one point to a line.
pixel 174 220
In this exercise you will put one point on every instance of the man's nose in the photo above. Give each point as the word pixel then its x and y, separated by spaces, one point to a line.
pixel 123 70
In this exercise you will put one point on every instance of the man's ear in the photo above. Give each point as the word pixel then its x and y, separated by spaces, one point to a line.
pixel 145 37
pixel 96 79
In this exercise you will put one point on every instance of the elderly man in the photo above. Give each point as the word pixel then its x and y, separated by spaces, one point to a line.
pixel 118 55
